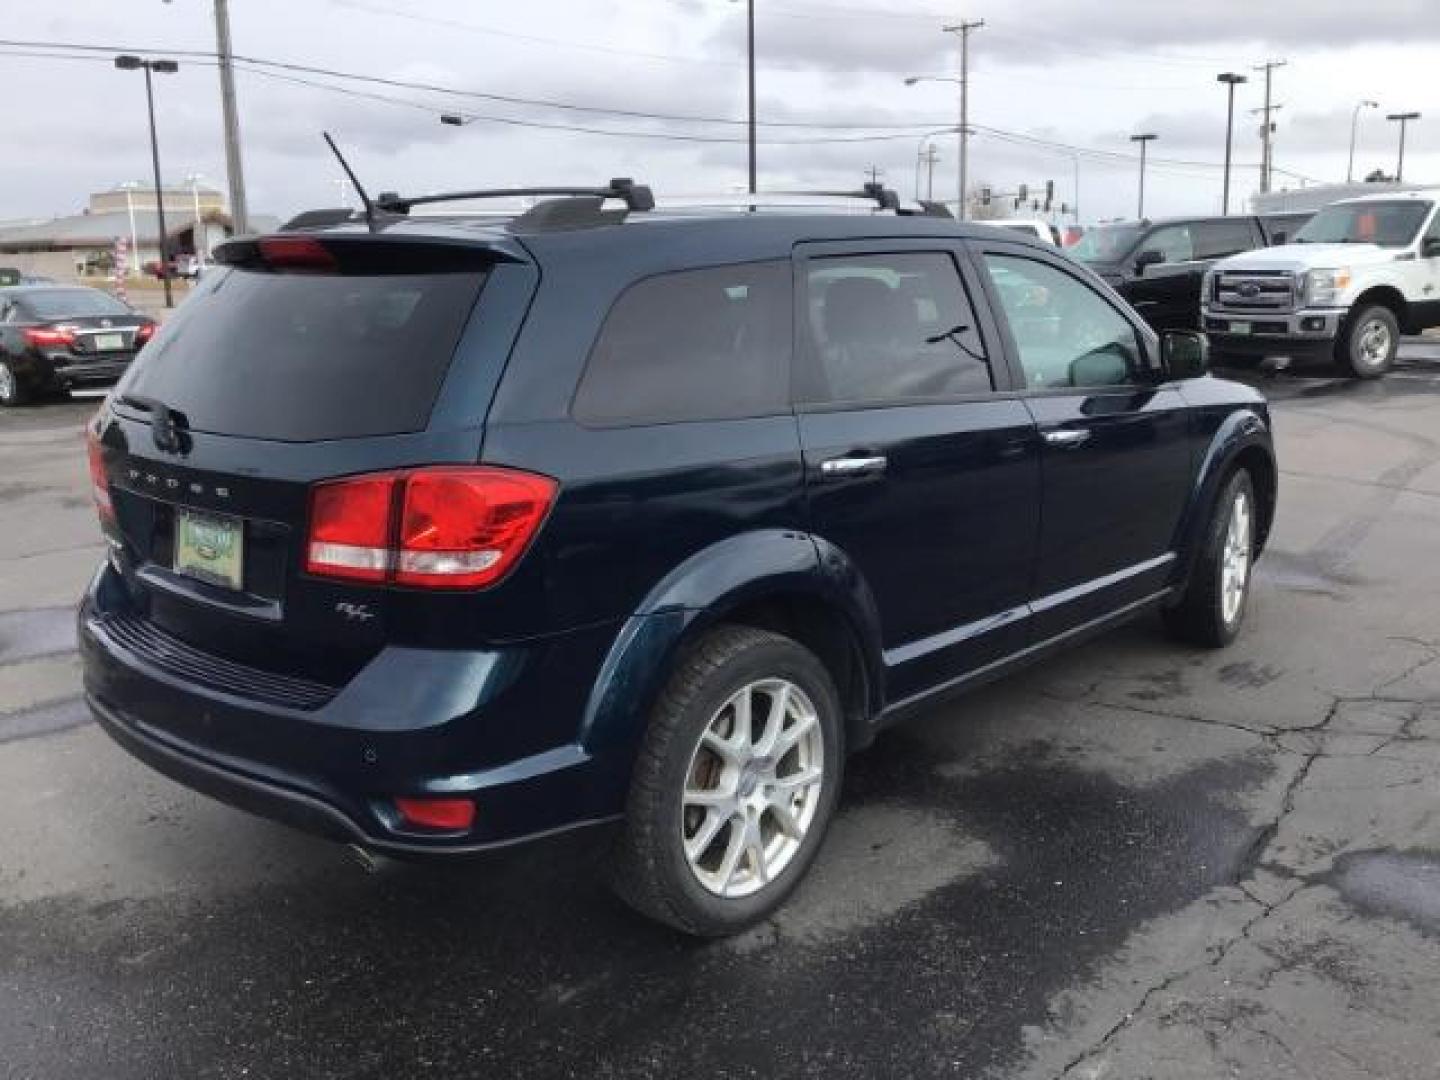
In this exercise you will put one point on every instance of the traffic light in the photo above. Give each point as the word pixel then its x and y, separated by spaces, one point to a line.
pixel 1023 193
pixel 985 195
pixel 1049 193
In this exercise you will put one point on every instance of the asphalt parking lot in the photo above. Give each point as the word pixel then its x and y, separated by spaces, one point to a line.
pixel 1132 862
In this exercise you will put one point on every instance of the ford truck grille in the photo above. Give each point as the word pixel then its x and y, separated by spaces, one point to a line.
pixel 1255 290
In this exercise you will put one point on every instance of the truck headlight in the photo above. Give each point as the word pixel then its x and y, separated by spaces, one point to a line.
pixel 1324 286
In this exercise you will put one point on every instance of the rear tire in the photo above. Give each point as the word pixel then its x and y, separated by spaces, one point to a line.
pixel 726 814
pixel 1212 608
pixel 1368 342
pixel 13 391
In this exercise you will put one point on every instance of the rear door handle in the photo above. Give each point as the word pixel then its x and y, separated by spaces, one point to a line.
pixel 1066 438
pixel 841 467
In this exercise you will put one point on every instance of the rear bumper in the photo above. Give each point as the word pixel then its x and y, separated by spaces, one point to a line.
pixel 335 770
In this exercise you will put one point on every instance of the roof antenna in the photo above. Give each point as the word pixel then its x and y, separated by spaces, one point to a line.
pixel 359 190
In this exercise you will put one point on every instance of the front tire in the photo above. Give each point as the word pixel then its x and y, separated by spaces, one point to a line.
pixel 734 786
pixel 1368 343
pixel 1213 605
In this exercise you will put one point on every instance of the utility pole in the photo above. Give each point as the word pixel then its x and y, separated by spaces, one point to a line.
pixel 1403 119
pixel 234 166
pixel 1267 128
pixel 1231 80
pixel 963 29
pixel 932 155
pixel 750 47
pixel 1144 141
pixel 874 172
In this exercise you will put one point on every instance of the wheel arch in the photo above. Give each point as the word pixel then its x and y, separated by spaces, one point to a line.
pixel 1243 440
pixel 1387 296
pixel 779 580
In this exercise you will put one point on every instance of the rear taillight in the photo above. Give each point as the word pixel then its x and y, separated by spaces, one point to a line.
pixel 49 336
pixel 99 480
pixel 444 527
pixel 144 334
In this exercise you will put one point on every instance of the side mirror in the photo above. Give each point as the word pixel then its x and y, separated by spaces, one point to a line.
pixel 1184 354
pixel 1430 247
pixel 1148 257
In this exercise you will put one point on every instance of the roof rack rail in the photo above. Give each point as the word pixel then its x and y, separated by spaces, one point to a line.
pixel 883 197
pixel 634 196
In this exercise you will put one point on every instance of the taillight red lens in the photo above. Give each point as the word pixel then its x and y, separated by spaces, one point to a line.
pixel 144 334
pixel 351 522
pixel 99 479
pixel 449 814
pixel 295 253
pixel 444 527
pixel 49 336
pixel 464 528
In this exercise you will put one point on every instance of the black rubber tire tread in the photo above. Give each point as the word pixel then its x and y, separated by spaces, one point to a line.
pixel 1344 345
pixel 1197 619
pixel 643 869
pixel 22 394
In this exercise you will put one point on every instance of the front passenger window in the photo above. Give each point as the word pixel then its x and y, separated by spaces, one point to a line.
pixel 1067 334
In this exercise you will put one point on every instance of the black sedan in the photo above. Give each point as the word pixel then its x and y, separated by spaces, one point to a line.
pixel 54 338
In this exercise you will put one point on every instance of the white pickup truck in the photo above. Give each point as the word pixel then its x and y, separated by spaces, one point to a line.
pixel 1358 275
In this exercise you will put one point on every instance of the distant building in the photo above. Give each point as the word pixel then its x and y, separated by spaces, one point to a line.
pixel 1318 195
pixel 83 244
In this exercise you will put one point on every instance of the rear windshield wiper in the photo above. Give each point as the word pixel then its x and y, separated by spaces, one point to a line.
pixel 167 425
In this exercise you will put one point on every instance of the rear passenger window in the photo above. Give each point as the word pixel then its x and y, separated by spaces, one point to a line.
pixel 890 327
pixel 696 345
pixel 1218 239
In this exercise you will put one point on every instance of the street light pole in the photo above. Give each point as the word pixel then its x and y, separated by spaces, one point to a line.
pixel 1144 140
pixel 163 67
pixel 1232 80
pixel 1354 123
pixel 1403 119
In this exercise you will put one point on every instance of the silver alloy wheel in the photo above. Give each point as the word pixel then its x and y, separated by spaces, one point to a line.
pixel 1372 345
pixel 752 788
pixel 7 383
pixel 1235 566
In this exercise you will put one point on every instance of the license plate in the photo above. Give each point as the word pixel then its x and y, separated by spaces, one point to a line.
pixel 210 548
pixel 1239 328
pixel 109 342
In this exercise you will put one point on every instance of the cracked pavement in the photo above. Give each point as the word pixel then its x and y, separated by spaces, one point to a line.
pixel 1134 861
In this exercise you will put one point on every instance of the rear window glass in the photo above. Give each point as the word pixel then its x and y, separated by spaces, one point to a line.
pixel 301 357
pixel 696 345
pixel 70 304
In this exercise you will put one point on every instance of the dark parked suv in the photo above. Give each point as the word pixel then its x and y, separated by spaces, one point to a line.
pixel 1159 266
pixel 451 533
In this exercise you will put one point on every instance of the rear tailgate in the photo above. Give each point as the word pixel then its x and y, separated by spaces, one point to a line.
pixel 267 381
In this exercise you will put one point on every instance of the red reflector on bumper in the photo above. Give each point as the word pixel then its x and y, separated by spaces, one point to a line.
pixel 452 814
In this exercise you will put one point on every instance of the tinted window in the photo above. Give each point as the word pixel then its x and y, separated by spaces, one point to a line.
pixel 697 345
pixel 1106 244
pixel 1172 241
pixel 1067 334
pixel 1388 224
pixel 48 304
pixel 307 356
pixel 888 327
pixel 1217 239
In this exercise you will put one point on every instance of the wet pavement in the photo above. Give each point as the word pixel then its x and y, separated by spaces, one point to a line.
pixel 1133 861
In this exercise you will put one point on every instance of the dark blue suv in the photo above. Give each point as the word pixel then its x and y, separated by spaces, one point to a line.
pixel 437 534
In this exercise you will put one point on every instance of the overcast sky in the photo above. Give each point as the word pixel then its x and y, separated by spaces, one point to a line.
pixel 1087 74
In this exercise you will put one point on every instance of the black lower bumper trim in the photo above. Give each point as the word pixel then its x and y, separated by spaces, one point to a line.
pixel 288 806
